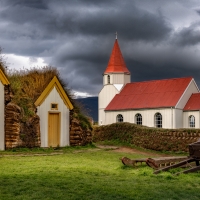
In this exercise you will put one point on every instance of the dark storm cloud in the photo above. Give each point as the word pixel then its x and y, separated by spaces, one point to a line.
pixel 189 35
pixel 77 37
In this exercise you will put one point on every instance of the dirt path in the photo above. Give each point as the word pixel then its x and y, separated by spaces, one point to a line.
pixel 131 150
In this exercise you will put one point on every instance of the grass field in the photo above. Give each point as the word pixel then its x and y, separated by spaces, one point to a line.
pixel 89 173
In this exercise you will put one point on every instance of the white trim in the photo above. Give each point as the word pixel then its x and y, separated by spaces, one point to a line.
pixel 118 86
pixel 195 84
pixel 184 93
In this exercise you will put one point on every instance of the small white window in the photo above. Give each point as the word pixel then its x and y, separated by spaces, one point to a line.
pixel 158 120
pixel 120 118
pixel 191 121
pixel 54 106
pixel 138 119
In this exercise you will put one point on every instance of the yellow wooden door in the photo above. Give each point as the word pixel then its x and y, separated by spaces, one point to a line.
pixel 54 130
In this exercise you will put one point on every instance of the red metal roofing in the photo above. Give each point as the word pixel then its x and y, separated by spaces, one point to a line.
pixel 150 94
pixel 193 102
pixel 116 62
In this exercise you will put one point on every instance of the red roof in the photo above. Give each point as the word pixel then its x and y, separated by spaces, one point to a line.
pixel 193 102
pixel 116 62
pixel 150 94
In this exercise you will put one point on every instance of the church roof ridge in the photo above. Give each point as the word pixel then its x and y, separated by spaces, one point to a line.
pixel 116 62
pixel 166 79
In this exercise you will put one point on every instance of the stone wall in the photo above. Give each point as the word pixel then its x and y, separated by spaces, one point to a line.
pixel 19 133
pixel 12 125
pixel 30 132
pixel 78 135
pixel 150 138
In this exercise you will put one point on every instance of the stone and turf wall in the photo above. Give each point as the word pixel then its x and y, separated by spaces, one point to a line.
pixel 158 139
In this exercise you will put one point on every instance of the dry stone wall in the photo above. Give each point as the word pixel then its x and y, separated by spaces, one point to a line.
pixel 149 138
pixel 17 132
pixel 12 125
pixel 78 135
pixel 30 132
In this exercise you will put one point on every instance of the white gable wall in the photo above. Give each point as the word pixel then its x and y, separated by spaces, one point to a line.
pixel 43 111
pixel 105 97
pixel 2 116
pixel 192 88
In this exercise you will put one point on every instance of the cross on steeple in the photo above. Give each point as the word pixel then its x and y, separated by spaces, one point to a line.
pixel 116 35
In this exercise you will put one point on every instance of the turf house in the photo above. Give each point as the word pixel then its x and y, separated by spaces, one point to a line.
pixel 38 110
pixel 170 103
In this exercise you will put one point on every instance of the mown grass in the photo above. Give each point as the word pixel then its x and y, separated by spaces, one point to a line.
pixel 89 173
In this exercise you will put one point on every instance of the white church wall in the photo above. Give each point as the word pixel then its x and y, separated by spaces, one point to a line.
pixel 2 107
pixel 192 88
pixel 101 116
pixel 186 116
pixel 147 116
pixel 178 118
pixel 105 96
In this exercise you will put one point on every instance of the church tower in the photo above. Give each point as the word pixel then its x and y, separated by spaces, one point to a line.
pixel 115 77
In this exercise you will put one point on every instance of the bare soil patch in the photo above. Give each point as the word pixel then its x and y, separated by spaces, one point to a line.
pixel 131 150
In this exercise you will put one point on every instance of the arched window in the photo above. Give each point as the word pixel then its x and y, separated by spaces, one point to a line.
pixel 158 120
pixel 108 77
pixel 138 119
pixel 191 121
pixel 120 118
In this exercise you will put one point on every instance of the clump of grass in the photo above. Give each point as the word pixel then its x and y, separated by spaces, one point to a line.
pixel 28 84
pixel 84 119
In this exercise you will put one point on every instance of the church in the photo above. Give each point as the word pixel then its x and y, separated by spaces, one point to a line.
pixel 169 103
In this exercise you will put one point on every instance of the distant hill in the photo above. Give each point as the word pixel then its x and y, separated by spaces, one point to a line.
pixel 90 106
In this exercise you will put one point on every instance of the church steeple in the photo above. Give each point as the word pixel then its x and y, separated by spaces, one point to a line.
pixel 116 63
pixel 115 77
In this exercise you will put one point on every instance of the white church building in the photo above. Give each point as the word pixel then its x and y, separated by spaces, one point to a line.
pixel 170 103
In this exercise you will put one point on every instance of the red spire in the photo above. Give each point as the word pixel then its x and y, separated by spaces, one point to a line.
pixel 116 62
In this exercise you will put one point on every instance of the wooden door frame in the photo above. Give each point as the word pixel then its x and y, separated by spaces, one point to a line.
pixel 59 122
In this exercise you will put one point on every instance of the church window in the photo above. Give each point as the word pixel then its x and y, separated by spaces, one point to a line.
pixel 120 118
pixel 108 79
pixel 138 119
pixel 191 121
pixel 158 120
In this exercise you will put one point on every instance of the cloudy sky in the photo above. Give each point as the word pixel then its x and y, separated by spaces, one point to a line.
pixel 159 39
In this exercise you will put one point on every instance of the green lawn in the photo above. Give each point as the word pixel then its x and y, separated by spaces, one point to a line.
pixel 89 174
